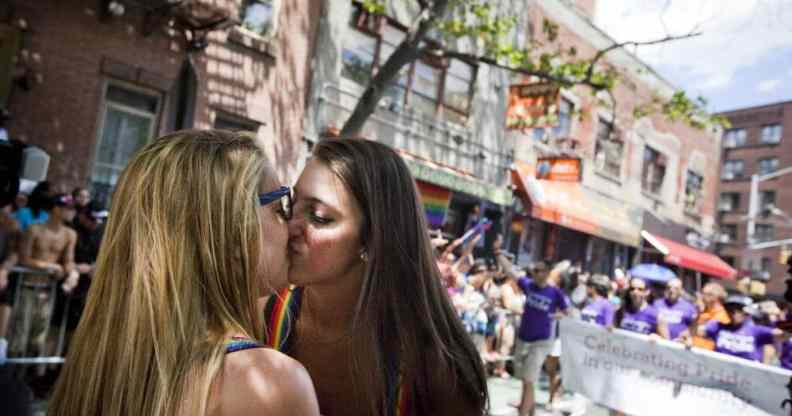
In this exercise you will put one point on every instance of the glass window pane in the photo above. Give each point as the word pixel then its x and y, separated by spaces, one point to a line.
pixel 358 56
pixel 392 35
pixel 457 93
pixel 123 134
pixel 426 80
pixel 454 117
pixel 134 99
pixel 396 95
pixel 257 16
pixel 423 105
pixel 460 69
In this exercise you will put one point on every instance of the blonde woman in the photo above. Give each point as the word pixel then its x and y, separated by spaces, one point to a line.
pixel 196 234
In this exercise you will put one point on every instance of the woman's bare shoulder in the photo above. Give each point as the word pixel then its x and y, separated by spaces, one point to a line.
pixel 264 381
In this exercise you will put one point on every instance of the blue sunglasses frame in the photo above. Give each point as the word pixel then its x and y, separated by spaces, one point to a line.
pixel 270 197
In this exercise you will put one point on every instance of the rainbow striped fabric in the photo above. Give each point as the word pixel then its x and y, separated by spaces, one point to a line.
pixel 436 200
pixel 280 314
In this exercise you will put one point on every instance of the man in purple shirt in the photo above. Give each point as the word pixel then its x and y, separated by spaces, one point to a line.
pixel 599 309
pixel 741 338
pixel 677 313
pixel 543 305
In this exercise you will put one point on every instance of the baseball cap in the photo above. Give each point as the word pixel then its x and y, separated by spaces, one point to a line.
pixel 739 301
pixel 63 200
pixel 599 280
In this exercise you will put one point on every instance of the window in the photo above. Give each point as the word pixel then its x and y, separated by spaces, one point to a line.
pixel 729 260
pixel 729 230
pixel 128 121
pixel 734 138
pixel 768 165
pixel 771 134
pixel 764 232
pixel 258 16
pixel 693 189
pixel 432 87
pixel 562 130
pixel 608 150
pixel 732 169
pixel 766 199
pixel 729 201
pixel 766 262
pixel 653 170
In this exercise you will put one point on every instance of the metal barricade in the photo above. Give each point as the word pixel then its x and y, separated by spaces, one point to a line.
pixel 34 303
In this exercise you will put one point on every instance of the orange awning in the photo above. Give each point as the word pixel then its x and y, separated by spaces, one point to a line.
pixel 690 258
pixel 571 205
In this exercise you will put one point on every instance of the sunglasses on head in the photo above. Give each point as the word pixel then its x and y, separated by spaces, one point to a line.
pixel 284 195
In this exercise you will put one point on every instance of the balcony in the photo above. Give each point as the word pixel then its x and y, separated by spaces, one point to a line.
pixel 444 143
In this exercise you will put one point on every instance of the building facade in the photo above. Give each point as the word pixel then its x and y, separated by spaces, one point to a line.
pixel 759 142
pixel 91 81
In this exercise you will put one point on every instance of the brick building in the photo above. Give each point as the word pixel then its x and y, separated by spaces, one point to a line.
pixel 92 81
pixel 758 143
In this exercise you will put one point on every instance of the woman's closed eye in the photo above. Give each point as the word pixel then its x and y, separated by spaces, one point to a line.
pixel 316 218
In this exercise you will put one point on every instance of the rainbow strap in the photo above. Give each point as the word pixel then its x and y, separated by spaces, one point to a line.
pixel 280 314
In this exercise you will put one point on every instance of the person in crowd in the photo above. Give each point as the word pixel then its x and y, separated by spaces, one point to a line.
pixel 741 337
pixel 678 314
pixel 9 249
pixel 171 320
pixel 81 198
pixel 35 212
pixel 599 310
pixel 47 248
pixel 90 228
pixel 499 339
pixel 637 315
pixel 544 304
pixel 20 202
pixel 368 315
pixel 710 305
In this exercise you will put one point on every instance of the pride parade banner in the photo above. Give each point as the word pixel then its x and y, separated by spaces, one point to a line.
pixel 625 371
pixel 436 200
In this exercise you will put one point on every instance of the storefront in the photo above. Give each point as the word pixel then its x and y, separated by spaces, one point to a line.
pixel 579 224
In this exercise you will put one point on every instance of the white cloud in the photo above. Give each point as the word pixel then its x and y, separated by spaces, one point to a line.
pixel 768 85
pixel 735 34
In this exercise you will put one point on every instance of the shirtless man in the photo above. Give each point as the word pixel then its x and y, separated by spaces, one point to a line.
pixel 48 247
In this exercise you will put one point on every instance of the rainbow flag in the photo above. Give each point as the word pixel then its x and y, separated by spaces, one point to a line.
pixel 436 200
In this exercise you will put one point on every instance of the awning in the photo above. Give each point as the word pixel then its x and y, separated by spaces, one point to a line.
pixel 573 206
pixel 690 258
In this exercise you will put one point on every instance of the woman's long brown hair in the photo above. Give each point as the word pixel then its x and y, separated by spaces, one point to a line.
pixel 402 310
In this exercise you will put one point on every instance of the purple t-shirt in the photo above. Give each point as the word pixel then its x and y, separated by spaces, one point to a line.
pixel 678 316
pixel 786 354
pixel 745 341
pixel 540 304
pixel 598 312
pixel 642 322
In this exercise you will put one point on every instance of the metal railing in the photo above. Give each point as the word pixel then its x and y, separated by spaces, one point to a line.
pixel 34 289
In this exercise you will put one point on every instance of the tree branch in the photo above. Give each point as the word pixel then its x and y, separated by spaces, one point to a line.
pixel 530 72
pixel 603 52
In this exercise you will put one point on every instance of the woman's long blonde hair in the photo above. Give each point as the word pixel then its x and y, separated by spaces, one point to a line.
pixel 176 273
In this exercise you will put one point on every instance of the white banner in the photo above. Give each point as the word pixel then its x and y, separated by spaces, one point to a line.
pixel 626 372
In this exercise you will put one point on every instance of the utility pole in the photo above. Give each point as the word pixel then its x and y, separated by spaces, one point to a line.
pixel 753 211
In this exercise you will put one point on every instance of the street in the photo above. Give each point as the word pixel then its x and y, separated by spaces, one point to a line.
pixel 503 391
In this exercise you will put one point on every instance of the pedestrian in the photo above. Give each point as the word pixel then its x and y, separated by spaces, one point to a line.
pixel 197 232
pixel 710 304
pixel 599 310
pixel 544 304
pixel 368 315
pixel 637 315
pixel 741 337
pixel 678 314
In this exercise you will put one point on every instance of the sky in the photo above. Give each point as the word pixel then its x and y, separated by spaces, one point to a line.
pixel 743 57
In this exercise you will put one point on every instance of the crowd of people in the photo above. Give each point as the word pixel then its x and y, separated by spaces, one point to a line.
pixel 49 242
pixel 512 313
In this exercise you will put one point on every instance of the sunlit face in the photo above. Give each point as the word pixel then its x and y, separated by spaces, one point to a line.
pixel 709 296
pixel 324 233
pixel 638 291
pixel 673 291
pixel 274 260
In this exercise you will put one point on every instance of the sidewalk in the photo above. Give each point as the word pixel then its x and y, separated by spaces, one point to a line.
pixel 504 391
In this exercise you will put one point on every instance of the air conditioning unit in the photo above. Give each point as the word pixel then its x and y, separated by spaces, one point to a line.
pixel 727 176
pixel 725 206
pixel 724 238
pixel 729 144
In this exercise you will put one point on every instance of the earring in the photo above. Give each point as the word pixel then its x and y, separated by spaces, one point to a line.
pixel 364 256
